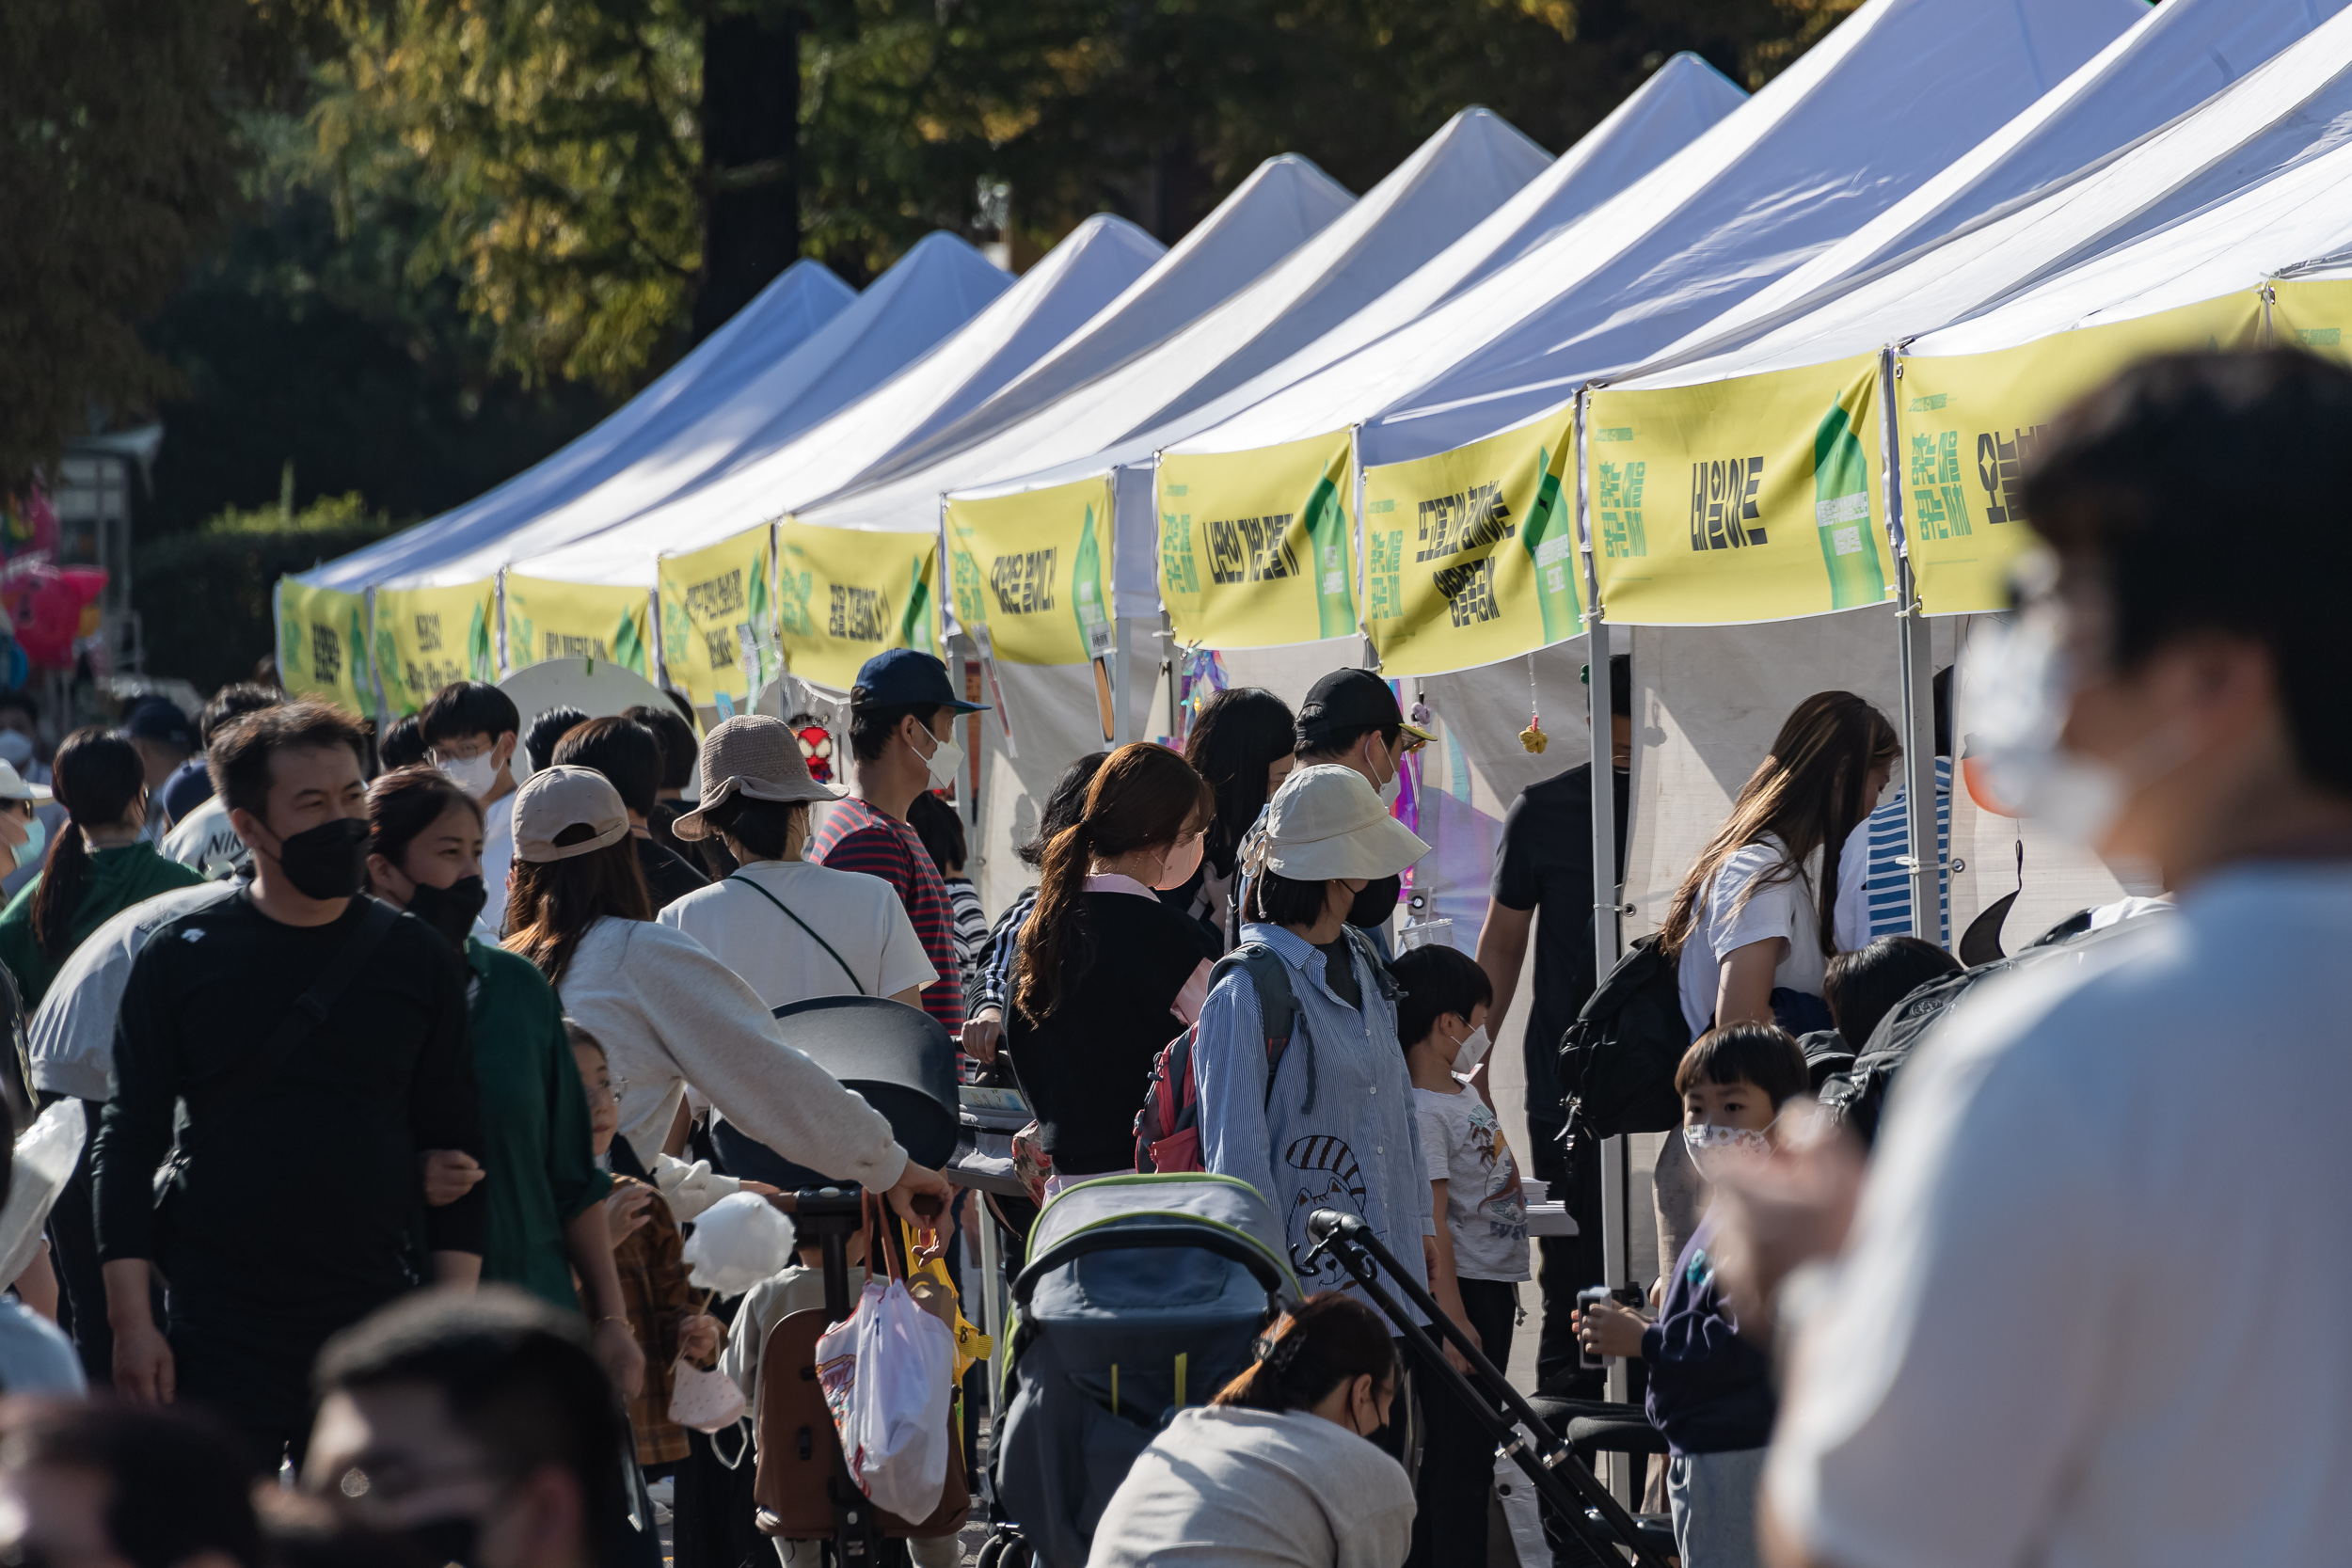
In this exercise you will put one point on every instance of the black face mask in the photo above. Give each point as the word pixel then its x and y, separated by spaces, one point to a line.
pixel 1377 902
pixel 329 861
pixel 451 910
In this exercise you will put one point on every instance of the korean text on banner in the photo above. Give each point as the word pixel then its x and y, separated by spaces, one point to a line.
pixel 2314 315
pixel 1756 498
pixel 1469 556
pixel 426 638
pixel 845 594
pixel 548 620
pixel 1257 548
pixel 1970 423
pixel 322 645
pixel 719 620
pixel 1035 569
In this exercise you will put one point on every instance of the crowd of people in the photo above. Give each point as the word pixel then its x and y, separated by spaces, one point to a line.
pixel 390 1212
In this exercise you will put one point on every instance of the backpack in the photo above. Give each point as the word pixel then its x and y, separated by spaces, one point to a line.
pixel 1167 1128
pixel 1617 1060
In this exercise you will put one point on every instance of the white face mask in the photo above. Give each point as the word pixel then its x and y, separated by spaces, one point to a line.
pixel 1708 1143
pixel 477 775
pixel 36 840
pixel 1472 1050
pixel 16 748
pixel 946 758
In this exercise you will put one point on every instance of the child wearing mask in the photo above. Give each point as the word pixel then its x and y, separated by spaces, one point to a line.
pixel 645 1252
pixel 1710 1389
pixel 1480 1252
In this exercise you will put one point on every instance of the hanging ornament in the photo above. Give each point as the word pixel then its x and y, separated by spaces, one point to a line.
pixel 816 745
pixel 1534 738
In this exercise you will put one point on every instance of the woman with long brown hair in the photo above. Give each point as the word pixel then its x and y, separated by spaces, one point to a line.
pixel 1108 973
pixel 1751 938
pixel 667 1012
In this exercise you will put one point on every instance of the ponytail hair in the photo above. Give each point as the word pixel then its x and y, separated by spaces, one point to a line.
pixel 1143 795
pixel 1312 1349
pixel 97 776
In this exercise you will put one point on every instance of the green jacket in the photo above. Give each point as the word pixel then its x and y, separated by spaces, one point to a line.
pixel 542 1173
pixel 118 879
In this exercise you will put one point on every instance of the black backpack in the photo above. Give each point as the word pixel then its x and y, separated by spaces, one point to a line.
pixel 1857 1097
pixel 1617 1060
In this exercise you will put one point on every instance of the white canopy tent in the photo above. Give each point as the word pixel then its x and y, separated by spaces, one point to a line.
pixel 1107 286
pixel 1459 176
pixel 940 284
pixel 1850 129
pixel 784 315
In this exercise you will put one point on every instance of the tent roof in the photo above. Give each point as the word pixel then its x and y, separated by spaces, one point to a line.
pixel 937 286
pixel 1098 260
pixel 779 318
pixel 2176 58
pixel 1461 174
pixel 1850 128
pixel 1283 202
pixel 2278 117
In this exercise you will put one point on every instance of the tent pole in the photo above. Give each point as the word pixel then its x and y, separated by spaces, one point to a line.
pixel 498 603
pixel 1915 668
pixel 1616 1261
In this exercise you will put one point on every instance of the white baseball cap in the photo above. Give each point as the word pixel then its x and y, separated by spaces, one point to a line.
pixel 13 786
pixel 1328 821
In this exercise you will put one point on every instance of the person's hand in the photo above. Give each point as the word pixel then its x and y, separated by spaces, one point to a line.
pixel 698 1337
pixel 980 1036
pixel 1454 1356
pixel 144 1373
pixel 1607 1329
pixel 625 1211
pixel 760 1187
pixel 446 1175
pixel 1774 1213
pixel 1658 1294
pixel 922 1198
pixel 619 1353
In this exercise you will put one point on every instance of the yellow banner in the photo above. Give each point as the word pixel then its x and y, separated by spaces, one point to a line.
pixel 719 620
pixel 1470 556
pixel 1257 548
pixel 548 620
pixel 426 638
pixel 1970 424
pixel 848 594
pixel 322 645
pixel 1035 569
pixel 2316 315
pixel 1752 499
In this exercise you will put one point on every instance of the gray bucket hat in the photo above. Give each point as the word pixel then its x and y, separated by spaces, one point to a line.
pixel 755 756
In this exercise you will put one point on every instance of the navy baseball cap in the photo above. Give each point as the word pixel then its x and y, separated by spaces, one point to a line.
pixel 907 677
pixel 160 719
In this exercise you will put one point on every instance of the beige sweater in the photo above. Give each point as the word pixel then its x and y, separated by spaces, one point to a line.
pixel 669 1014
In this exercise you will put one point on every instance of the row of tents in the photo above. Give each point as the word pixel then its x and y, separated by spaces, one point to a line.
pixel 1729 363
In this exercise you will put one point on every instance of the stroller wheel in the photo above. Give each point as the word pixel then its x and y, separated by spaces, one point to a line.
pixel 1004 1548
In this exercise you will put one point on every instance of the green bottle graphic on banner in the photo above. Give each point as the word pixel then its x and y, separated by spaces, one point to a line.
pixel 1549 540
pixel 1327 537
pixel 358 671
pixel 1842 514
pixel 628 643
pixel 763 620
pixel 1086 592
pixel 481 654
pixel 914 624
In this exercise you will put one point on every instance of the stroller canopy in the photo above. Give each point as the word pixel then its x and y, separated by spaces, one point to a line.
pixel 1220 1214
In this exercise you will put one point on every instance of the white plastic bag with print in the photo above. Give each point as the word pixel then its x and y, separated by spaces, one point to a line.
pixel 888 1374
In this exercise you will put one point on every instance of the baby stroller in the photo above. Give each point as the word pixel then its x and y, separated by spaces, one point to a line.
pixel 1142 1294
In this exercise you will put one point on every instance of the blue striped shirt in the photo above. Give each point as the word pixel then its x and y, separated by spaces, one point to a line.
pixel 1873 889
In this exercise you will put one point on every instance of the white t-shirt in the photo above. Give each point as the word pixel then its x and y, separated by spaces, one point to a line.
pixel 498 858
pixel 2091 1313
pixel 860 916
pixel 1254 1489
pixel 1462 1145
pixel 203 839
pixel 1783 910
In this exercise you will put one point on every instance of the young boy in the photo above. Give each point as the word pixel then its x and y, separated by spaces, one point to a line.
pixel 1479 1253
pixel 1711 1390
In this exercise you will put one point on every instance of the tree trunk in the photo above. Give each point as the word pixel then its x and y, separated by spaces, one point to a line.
pixel 751 155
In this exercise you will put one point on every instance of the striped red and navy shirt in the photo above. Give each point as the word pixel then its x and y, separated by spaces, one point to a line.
pixel 856 837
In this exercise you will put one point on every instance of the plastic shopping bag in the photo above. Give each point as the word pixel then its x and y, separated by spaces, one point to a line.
pixel 888 1374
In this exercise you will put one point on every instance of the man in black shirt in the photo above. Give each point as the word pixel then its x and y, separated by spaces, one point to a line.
pixel 296 1181
pixel 1544 861
pixel 630 756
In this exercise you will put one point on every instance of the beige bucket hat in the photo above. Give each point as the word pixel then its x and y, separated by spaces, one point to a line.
pixel 753 755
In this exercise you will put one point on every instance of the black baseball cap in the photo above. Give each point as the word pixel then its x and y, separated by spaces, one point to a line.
pixel 1350 700
pixel 160 719
pixel 907 677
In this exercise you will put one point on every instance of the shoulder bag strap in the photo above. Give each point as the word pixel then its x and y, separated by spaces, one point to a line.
pixel 737 877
